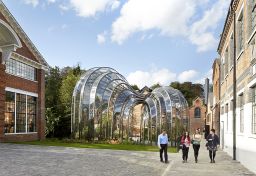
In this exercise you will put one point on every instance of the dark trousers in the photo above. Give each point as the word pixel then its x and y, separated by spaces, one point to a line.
pixel 185 151
pixel 163 149
pixel 212 154
pixel 196 150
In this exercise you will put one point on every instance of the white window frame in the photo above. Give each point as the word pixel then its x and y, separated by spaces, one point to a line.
pixel 15 91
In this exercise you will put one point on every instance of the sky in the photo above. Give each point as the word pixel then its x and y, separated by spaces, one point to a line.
pixel 147 41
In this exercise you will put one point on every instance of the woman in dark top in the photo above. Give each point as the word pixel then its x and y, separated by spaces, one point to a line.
pixel 212 145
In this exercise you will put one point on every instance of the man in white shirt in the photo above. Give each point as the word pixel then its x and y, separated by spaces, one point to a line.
pixel 163 145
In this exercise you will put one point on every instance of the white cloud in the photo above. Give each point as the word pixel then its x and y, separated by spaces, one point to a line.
pixel 200 36
pixel 89 8
pixel 101 38
pixel 34 3
pixel 143 78
pixel 115 5
pixel 143 15
pixel 162 76
pixel 208 74
pixel 64 7
pixel 187 75
pixel 171 18
pixel 51 1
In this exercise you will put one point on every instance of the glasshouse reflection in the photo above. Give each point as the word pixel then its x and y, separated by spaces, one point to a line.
pixel 105 107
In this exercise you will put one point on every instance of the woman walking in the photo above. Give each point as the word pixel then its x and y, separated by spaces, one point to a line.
pixel 212 144
pixel 196 140
pixel 185 141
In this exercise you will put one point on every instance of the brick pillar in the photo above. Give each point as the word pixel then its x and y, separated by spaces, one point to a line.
pixel 2 99
pixel 41 104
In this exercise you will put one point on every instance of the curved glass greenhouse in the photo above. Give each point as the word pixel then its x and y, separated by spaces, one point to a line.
pixel 105 107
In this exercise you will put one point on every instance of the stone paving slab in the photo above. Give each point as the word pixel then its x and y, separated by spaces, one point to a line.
pixel 32 160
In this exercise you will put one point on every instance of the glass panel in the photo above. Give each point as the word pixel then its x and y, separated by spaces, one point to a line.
pixel 20 69
pixel 9 112
pixel 31 113
pixel 21 113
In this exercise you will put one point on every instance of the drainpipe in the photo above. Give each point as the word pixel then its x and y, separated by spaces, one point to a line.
pixel 234 87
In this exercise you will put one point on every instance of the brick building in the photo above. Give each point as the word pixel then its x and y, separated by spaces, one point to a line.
pixel 197 115
pixel 22 83
pixel 215 121
pixel 237 51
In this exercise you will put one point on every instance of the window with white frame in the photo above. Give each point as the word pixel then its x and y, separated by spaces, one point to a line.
pixel 240 32
pixel 241 104
pixel 20 113
pixel 254 110
pixel 20 69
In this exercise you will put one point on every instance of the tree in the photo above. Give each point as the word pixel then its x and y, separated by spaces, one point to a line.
pixel 135 87
pixel 52 100
pixel 60 84
pixel 155 86
pixel 189 90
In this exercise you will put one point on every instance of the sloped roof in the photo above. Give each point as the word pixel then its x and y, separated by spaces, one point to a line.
pixel 20 32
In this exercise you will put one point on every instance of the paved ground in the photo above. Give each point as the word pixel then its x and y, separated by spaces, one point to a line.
pixel 60 161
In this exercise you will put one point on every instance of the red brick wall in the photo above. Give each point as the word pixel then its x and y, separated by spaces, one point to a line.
pixel 20 83
pixel 41 105
pixel 2 99
pixel 7 80
pixel 20 137
pixel 197 122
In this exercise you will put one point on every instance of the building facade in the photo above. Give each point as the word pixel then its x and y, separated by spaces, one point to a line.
pixel 22 83
pixel 215 109
pixel 197 115
pixel 237 51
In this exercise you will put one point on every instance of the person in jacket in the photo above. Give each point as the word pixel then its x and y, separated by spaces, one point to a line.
pixel 212 145
pixel 185 141
pixel 196 140
pixel 163 146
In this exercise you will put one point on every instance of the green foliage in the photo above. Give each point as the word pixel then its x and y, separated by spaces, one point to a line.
pixel 135 87
pixel 155 86
pixel 60 84
pixel 189 90
pixel 83 144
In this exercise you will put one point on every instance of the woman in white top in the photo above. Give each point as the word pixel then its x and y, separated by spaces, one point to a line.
pixel 196 140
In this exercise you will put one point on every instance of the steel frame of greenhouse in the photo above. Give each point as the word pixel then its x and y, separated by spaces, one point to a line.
pixel 103 103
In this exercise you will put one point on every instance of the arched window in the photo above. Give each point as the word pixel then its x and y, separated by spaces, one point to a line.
pixel 197 112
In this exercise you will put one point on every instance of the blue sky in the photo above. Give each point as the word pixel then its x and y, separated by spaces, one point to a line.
pixel 148 41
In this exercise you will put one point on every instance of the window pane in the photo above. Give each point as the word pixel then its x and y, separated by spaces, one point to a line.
pixel 21 113
pixel 32 103
pixel 197 113
pixel 20 69
pixel 9 112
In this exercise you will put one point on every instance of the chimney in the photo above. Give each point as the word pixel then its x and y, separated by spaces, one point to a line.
pixel 206 90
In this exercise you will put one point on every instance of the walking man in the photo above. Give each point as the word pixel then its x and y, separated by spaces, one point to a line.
pixel 163 145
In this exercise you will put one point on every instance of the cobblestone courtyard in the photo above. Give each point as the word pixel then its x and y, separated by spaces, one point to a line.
pixel 60 161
